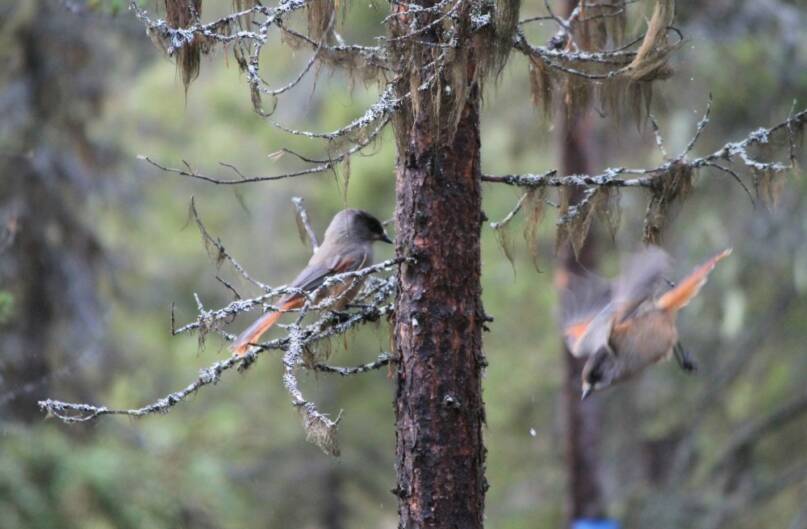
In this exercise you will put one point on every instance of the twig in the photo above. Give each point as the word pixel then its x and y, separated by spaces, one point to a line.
pixel 382 360
pixel 502 223
pixel 302 218
pixel 321 168
pixel 699 129
pixel 222 251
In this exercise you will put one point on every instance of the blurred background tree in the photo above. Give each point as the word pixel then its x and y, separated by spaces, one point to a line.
pixel 97 246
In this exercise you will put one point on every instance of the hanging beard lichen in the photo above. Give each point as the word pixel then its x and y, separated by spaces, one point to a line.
pixel 541 85
pixel 575 219
pixel 505 244
pixel 319 430
pixel 669 189
pixel 600 24
pixel 576 95
pixel 625 82
pixel 768 185
pixel 240 50
pixel 650 62
pixel 505 23
pixel 632 89
pixel 183 14
pixel 454 91
pixel 609 210
pixel 321 20
pixel 534 211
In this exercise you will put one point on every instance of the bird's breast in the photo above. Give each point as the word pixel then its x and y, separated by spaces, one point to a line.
pixel 645 339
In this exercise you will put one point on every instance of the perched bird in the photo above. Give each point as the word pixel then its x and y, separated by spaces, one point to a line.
pixel 346 246
pixel 622 327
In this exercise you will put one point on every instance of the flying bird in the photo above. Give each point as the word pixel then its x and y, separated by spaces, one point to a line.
pixel 347 246
pixel 622 327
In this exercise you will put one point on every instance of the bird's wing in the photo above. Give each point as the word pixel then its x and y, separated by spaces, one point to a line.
pixel 318 270
pixel 583 302
pixel 639 280
pixel 595 334
pixel 678 297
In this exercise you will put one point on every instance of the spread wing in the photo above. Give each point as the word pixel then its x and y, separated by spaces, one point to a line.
pixel 639 280
pixel 678 297
pixel 594 306
pixel 596 334
pixel 583 303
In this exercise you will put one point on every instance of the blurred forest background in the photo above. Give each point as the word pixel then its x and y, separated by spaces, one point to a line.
pixel 96 246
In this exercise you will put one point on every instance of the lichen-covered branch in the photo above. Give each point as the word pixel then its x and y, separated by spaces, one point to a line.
pixel 372 303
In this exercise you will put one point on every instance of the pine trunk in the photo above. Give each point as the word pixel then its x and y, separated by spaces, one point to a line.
pixel 438 404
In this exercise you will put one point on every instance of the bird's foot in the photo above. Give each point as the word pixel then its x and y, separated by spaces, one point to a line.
pixel 684 359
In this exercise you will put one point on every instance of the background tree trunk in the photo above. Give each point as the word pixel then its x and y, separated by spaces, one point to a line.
pixel 583 419
pixel 439 318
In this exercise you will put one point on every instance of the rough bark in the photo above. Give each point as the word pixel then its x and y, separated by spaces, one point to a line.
pixel 438 405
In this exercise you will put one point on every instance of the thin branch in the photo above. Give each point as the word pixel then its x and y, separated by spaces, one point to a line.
pixel 75 412
pixel 608 178
pixel 699 129
pixel 659 138
pixel 302 218
pixel 382 360
pixel 207 319
pixel 506 220
pixel 209 240
pixel 382 108
pixel 320 168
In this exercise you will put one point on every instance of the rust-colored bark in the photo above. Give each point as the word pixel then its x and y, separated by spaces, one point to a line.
pixel 438 403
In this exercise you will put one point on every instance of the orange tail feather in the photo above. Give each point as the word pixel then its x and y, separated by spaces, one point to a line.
pixel 681 295
pixel 254 332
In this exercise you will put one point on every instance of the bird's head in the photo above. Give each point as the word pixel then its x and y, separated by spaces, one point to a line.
pixel 600 371
pixel 358 225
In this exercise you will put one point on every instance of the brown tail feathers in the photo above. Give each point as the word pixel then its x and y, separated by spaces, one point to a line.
pixel 688 288
pixel 254 332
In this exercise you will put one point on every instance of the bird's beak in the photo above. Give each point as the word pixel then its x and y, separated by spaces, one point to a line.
pixel 385 238
pixel 587 390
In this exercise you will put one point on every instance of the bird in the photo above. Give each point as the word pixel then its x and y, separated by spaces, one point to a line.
pixel 622 327
pixel 347 246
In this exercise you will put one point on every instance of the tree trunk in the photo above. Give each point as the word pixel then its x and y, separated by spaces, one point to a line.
pixel 582 418
pixel 438 319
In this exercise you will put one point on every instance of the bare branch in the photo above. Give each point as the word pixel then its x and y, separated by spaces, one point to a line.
pixel 657 134
pixel 382 360
pixel 699 129
pixel 302 218
pixel 382 108
pixel 209 240
pixel 506 220
pixel 321 168
pixel 75 412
